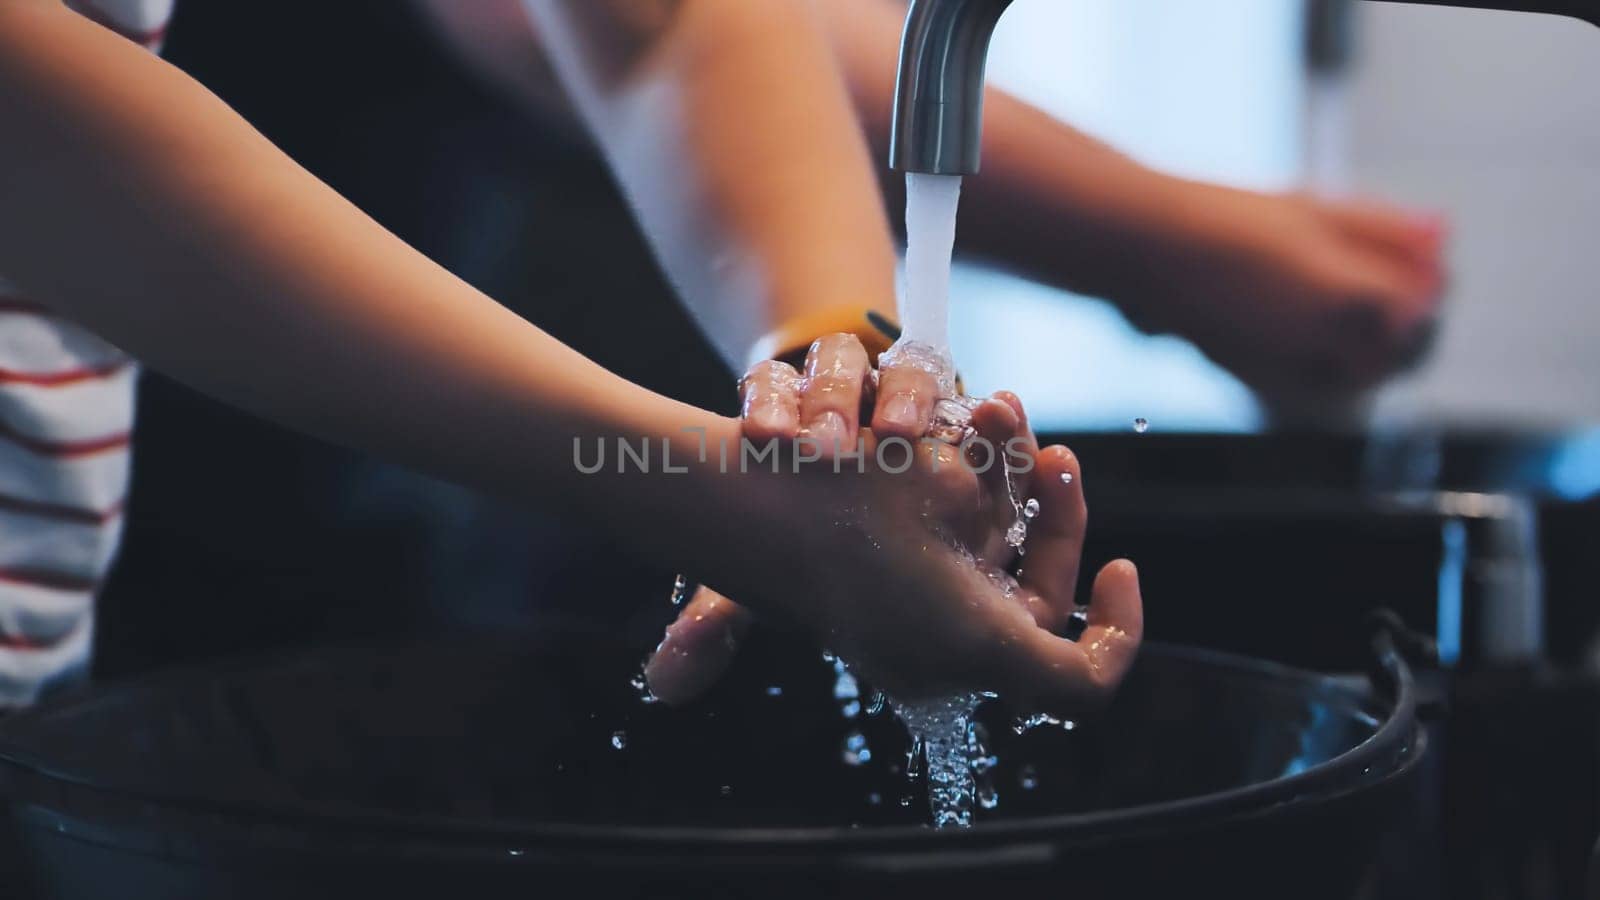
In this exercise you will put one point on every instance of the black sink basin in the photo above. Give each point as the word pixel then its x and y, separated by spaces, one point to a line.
pixel 499 770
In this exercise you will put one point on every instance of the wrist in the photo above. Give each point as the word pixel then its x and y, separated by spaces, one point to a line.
pixel 791 340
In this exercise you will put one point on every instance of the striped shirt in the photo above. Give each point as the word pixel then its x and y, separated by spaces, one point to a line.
pixel 66 417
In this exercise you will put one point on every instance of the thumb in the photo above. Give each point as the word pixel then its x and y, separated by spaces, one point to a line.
pixel 1073 677
pixel 697 649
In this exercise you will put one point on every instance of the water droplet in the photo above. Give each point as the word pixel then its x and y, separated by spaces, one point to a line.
pixel 516 852
pixel 641 687
pixel 774 691
pixel 1028 778
pixel 1031 510
pixel 619 739
pixel 851 709
pixel 1017 534
pixel 856 751
pixel 874 799
pixel 988 797
pixel 1066 477
pixel 680 591
pixel 875 703
pixel 1069 725
pixel 845 686
pixel 1141 425
pixel 727 789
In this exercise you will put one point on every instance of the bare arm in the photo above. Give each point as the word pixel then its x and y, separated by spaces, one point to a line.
pixel 134 201
pixel 137 203
pixel 732 132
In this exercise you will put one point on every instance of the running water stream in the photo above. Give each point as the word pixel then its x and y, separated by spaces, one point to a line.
pixel 942 727
pixel 931 203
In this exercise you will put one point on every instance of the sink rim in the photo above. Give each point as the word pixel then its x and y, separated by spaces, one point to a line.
pixel 1392 751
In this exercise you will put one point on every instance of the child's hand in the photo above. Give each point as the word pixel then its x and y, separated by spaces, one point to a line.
pixel 915 614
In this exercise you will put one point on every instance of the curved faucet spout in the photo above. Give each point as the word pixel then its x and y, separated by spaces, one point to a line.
pixel 938 106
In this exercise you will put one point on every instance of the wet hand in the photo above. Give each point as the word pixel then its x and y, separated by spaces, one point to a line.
pixel 936 618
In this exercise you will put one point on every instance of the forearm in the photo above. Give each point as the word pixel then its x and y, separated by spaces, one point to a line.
pixel 137 203
pixel 1051 202
pixel 732 131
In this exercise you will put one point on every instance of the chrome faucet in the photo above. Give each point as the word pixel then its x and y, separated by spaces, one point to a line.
pixel 938 107
pixel 938 104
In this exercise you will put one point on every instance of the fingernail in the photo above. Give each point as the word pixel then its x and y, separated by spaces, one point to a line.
pixel 828 430
pixel 901 410
pixel 770 417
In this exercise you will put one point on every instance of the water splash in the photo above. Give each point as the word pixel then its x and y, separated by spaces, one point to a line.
pixel 940 727
pixel 983 764
pixel 619 740
pixel 1141 425
pixel 933 360
pixel 875 703
pixel 1025 724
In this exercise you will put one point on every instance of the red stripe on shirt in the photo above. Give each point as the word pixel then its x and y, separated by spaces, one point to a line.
pixel 61 512
pixel 150 39
pixel 65 376
pixel 65 449
pixel 60 581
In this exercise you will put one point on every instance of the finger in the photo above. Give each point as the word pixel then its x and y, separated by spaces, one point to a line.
pixel 1418 237
pixel 1055 538
pixel 907 390
pixel 830 395
pixel 1002 443
pixel 770 401
pixel 950 493
pixel 1015 402
pixel 1073 677
pixel 697 649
